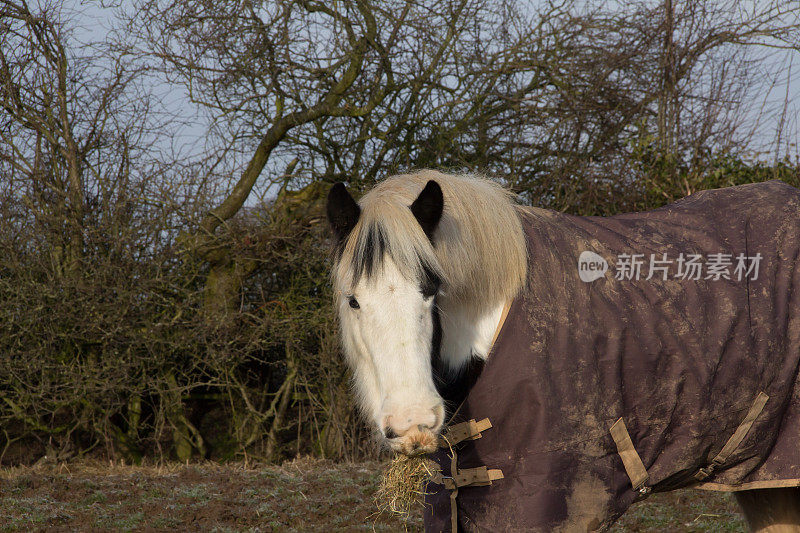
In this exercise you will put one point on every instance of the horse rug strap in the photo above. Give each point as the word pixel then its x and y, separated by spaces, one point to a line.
pixel 469 430
pixel 464 477
pixel 468 477
pixel 638 473
pixel 630 459
pixel 480 476
pixel 736 439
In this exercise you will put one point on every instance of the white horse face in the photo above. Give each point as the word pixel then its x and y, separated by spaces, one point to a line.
pixel 387 324
pixel 387 329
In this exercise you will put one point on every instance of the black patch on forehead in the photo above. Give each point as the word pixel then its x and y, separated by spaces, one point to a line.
pixel 369 261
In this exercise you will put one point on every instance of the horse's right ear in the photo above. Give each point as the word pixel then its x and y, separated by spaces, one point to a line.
pixel 428 207
pixel 343 211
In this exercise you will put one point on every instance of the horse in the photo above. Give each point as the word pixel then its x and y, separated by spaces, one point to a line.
pixel 433 277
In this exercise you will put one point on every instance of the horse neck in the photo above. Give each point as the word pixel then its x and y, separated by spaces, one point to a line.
pixel 477 291
pixel 467 330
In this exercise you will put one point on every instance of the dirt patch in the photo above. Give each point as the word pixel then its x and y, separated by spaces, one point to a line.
pixel 303 495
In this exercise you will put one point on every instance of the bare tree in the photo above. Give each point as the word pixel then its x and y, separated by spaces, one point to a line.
pixel 709 70
pixel 316 92
pixel 87 204
pixel 641 88
pixel 75 131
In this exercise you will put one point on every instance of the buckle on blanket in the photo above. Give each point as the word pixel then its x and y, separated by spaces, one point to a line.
pixel 469 430
pixel 463 477
pixel 704 472
pixel 468 477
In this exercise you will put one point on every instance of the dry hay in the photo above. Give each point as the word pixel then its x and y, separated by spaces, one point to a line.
pixel 402 486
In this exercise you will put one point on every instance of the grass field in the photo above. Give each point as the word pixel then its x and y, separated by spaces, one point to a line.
pixel 303 495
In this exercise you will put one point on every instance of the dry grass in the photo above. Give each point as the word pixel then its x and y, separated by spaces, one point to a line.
pixel 304 495
pixel 101 468
pixel 402 485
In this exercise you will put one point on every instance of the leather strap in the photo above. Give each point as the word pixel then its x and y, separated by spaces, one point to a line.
pixel 465 477
pixel 469 430
pixel 503 317
pixel 480 476
pixel 472 477
pixel 736 439
pixel 453 495
pixel 630 459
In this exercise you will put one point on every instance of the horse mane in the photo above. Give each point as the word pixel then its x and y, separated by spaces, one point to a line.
pixel 479 249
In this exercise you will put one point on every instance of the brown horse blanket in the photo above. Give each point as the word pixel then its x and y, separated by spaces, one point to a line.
pixel 601 391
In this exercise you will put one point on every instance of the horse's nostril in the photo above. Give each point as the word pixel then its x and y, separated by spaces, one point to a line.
pixel 423 427
pixel 389 432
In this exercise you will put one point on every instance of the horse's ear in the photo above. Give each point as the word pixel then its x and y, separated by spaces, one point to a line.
pixel 343 211
pixel 428 206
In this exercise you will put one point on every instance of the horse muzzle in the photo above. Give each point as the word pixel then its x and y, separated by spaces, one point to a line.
pixel 414 435
pixel 417 441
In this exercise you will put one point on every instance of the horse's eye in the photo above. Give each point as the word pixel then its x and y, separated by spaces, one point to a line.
pixel 353 302
pixel 430 283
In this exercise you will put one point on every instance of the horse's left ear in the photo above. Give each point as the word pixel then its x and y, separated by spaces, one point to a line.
pixel 428 207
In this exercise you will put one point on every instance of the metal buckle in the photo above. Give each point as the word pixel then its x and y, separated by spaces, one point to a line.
pixel 642 493
pixel 705 472
pixel 448 482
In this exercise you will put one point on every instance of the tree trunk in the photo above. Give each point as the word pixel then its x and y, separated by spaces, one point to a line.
pixel 185 437
pixel 666 103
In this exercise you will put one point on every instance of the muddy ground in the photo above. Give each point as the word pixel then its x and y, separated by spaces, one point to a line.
pixel 303 495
